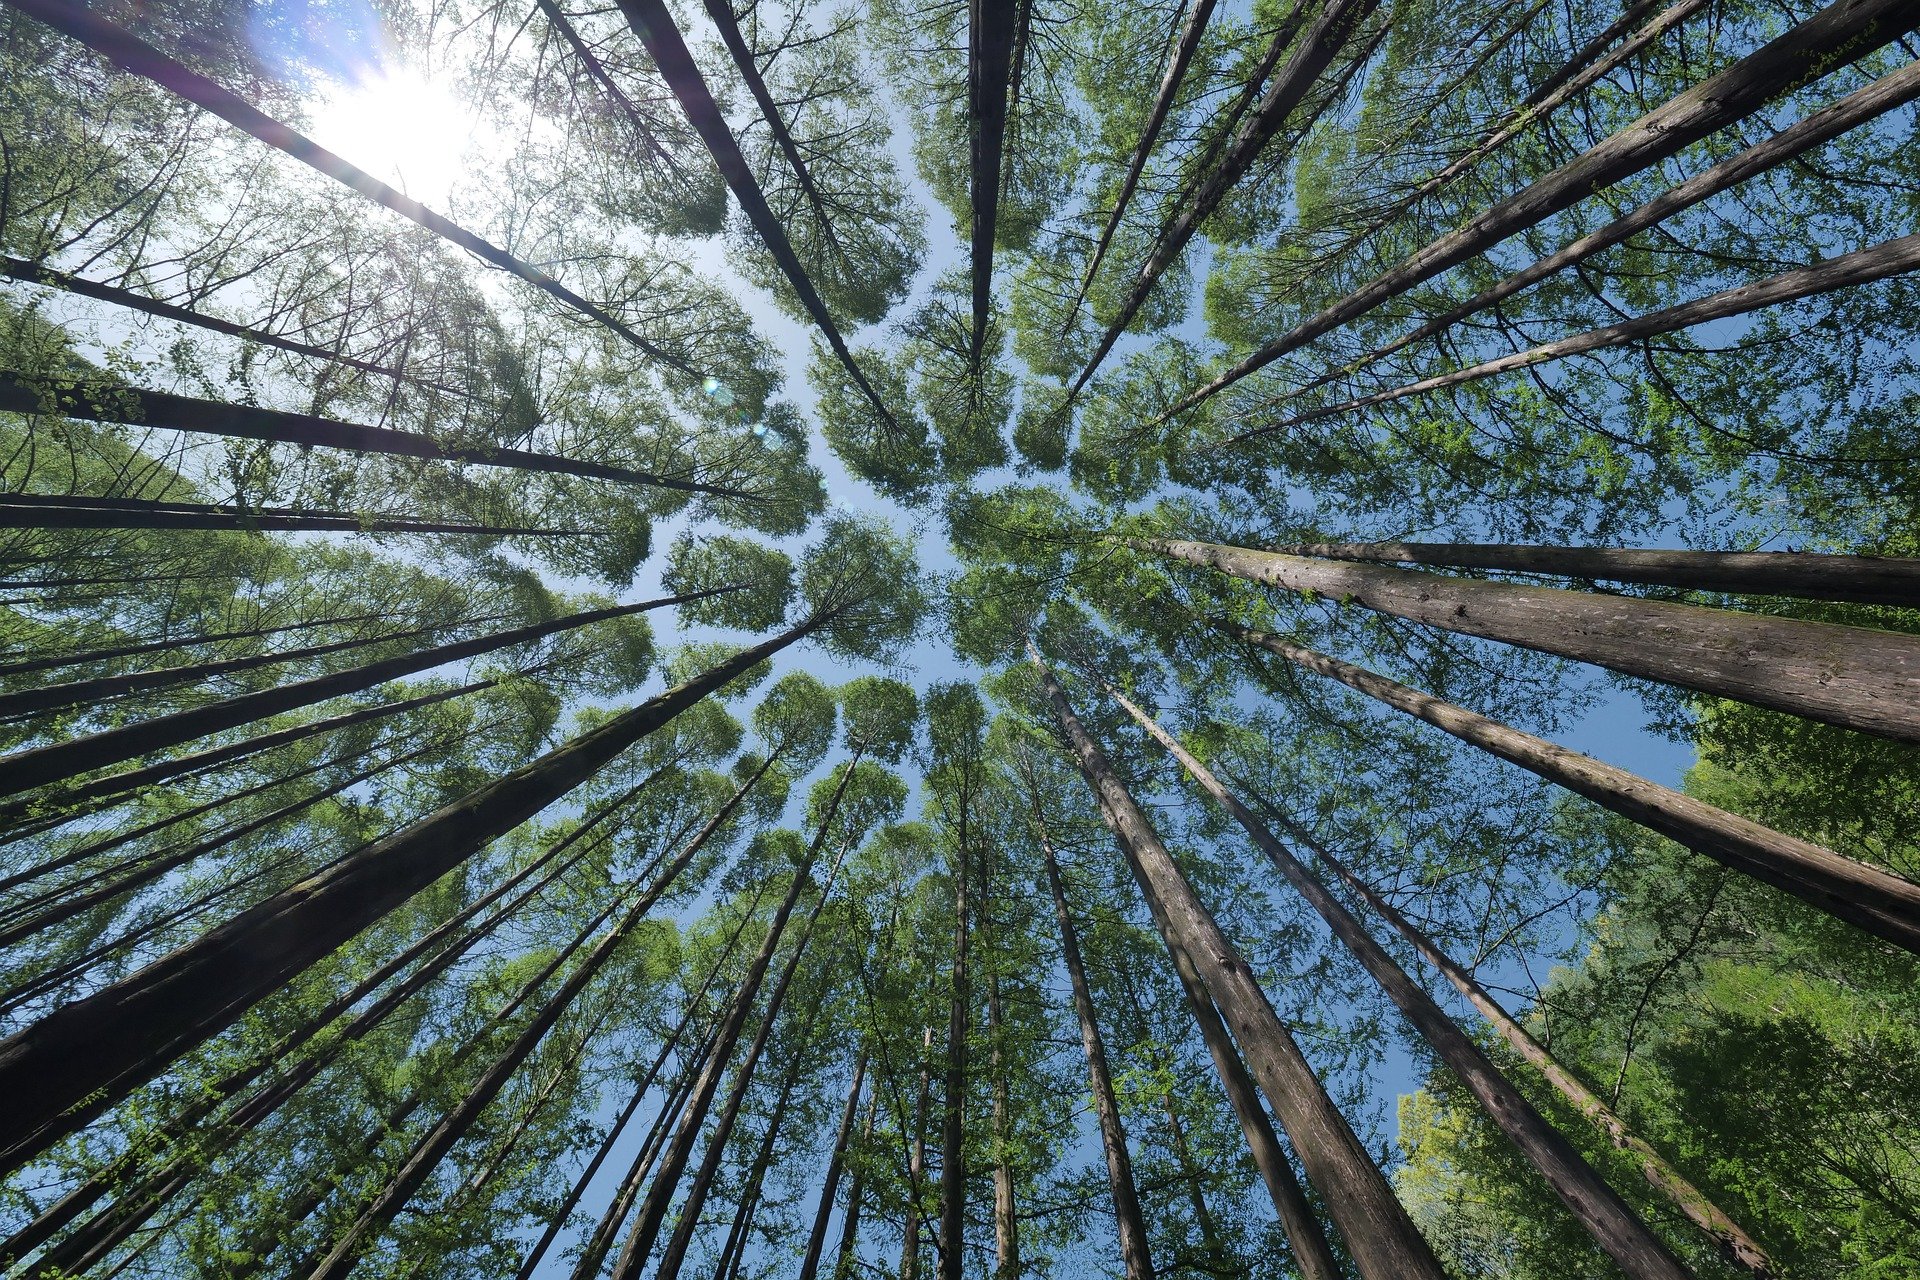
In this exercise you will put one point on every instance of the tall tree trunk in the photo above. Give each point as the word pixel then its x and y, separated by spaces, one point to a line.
pixel 638 1247
pixel 1006 1221
pixel 917 1166
pixel 753 1183
pixel 1863 895
pixel 159 409
pixel 1739 1247
pixel 1330 30
pixel 1839 35
pixel 1614 1226
pixel 1858 579
pixel 1382 1239
pixel 1854 677
pixel 830 1183
pixel 845 1252
pixel 133 55
pixel 1178 59
pixel 1888 93
pixel 653 22
pixel 118 652
pixel 1213 1245
pixel 41 511
pixel 1128 1221
pixel 991 26
pixel 83 1058
pixel 38 766
pixel 953 1132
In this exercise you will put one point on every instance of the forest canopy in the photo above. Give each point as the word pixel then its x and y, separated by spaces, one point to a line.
pixel 796 641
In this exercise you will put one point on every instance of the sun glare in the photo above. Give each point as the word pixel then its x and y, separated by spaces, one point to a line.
pixel 398 126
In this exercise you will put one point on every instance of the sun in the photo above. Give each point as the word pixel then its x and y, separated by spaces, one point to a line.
pixel 399 126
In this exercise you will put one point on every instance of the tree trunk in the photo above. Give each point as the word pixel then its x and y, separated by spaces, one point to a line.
pixel 114 654
pixel 1377 1231
pixel 1128 1220
pixel 83 1058
pixel 40 511
pixel 38 766
pixel 133 55
pixel 991 25
pixel 1855 677
pixel 845 1258
pixel 830 1184
pixel 638 1248
pixel 1006 1222
pixel 1877 901
pixel 1856 579
pixel 734 1250
pixel 1739 1247
pixel 1837 36
pixel 916 1166
pixel 1888 93
pixel 1614 1226
pixel 1331 28
pixel 953 1133
pixel 158 409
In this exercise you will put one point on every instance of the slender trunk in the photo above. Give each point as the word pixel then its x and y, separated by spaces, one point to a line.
pixel 1854 677
pixel 638 1246
pixel 434 1146
pixel 93 691
pixel 1614 1226
pixel 1219 1258
pixel 1888 93
pixel 1856 579
pixel 42 512
pixel 158 409
pixel 1839 35
pixel 1006 1222
pixel 653 23
pixel 38 766
pixel 1849 270
pixel 133 55
pixel 1335 24
pixel 845 1258
pixel 1128 1221
pixel 732 1252
pixel 1180 57
pixel 86 1056
pixel 917 1165
pixel 953 1152
pixel 991 26
pixel 114 654
pixel 1381 1238
pixel 1861 894
pixel 1739 1247
pixel 120 784
pixel 52 278
pixel 830 1184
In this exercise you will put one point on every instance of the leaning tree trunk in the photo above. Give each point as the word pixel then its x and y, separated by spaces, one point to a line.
pixel 41 511
pixel 1739 1247
pixel 1839 35
pixel 991 25
pixel 1614 1226
pixel 83 1058
pixel 1381 1238
pixel 133 55
pixel 845 1257
pixel 1863 895
pixel 1854 677
pixel 25 770
pixel 114 654
pixel 1128 1220
pixel 830 1182
pixel 733 1251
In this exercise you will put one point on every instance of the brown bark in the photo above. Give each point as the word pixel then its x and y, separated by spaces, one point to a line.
pixel 1381 1238
pixel 25 770
pixel 167 412
pixel 1739 1247
pixel 137 57
pixel 1837 36
pixel 1128 1220
pixel 830 1182
pixel 1855 677
pixel 1614 1226
pixel 86 1056
pixel 1890 580
pixel 1861 894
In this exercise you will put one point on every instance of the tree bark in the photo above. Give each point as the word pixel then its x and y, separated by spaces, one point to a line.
pixel 1877 901
pixel 167 412
pixel 1837 36
pixel 1854 579
pixel 1739 1247
pixel 43 512
pixel 25 770
pixel 1614 1226
pixel 830 1183
pixel 116 653
pixel 1854 677
pixel 82 1058
pixel 916 1166
pixel 1128 1220
pixel 991 26
pixel 1381 1238
pixel 135 56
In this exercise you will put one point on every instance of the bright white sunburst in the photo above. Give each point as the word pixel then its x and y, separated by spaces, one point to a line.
pixel 398 126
